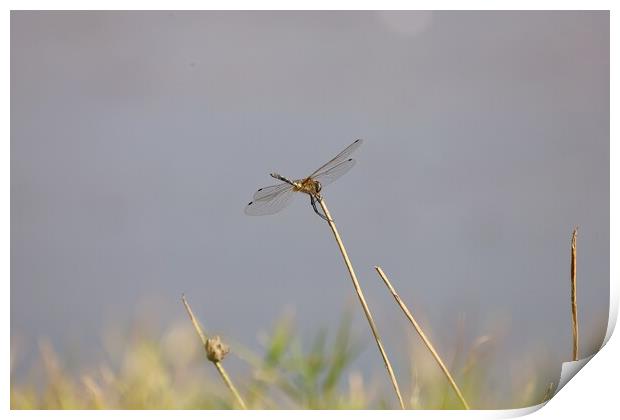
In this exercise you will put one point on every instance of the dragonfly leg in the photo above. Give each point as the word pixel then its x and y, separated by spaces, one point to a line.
pixel 313 201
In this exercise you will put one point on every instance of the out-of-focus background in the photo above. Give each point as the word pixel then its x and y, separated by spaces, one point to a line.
pixel 137 138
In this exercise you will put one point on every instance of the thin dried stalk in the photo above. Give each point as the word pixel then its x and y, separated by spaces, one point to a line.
pixel 425 339
pixel 573 282
pixel 360 295
pixel 218 365
pixel 548 392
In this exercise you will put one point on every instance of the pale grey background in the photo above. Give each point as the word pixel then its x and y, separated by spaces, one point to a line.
pixel 138 138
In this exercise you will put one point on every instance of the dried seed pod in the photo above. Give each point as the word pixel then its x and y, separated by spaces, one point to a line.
pixel 216 349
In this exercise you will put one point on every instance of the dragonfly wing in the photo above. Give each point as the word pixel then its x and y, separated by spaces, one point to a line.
pixel 332 174
pixel 269 191
pixel 340 157
pixel 270 203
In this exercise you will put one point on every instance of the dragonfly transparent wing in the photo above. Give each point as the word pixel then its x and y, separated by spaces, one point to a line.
pixel 330 175
pixel 340 157
pixel 272 190
pixel 270 200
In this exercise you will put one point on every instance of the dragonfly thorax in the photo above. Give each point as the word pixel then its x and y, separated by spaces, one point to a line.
pixel 308 186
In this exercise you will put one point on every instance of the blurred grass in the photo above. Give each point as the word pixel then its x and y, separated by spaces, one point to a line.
pixel 145 370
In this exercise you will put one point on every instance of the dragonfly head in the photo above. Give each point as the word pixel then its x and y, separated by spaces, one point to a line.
pixel 317 186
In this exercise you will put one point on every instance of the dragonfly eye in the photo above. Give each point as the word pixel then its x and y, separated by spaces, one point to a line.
pixel 317 186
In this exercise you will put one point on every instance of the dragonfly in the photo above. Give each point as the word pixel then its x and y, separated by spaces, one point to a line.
pixel 272 199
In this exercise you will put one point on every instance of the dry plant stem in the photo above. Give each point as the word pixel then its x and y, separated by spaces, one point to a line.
pixel 548 392
pixel 218 365
pixel 427 342
pixel 360 295
pixel 573 281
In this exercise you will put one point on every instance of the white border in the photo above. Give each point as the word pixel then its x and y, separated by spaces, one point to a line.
pixel 593 393
pixel 311 5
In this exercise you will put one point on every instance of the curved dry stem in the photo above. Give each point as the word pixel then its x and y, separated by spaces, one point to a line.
pixel 362 300
pixel 425 339
pixel 218 365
